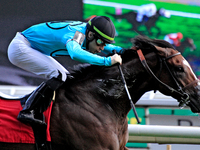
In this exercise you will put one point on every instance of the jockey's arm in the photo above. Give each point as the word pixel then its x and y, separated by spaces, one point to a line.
pixel 108 49
pixel 77 53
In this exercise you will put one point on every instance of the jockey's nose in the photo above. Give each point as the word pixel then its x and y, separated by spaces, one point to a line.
pixel 102 47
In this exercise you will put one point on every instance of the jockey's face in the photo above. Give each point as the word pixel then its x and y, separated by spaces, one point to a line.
pixel 95 45
pixel 94 48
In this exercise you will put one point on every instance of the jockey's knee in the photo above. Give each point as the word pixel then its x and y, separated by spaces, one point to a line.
pixel 60 74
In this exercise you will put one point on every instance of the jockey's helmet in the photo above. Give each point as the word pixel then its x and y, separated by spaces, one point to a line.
pixel 103 28
pixel 179 35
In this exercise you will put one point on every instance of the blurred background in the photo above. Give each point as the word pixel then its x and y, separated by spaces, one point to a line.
pixel 176 21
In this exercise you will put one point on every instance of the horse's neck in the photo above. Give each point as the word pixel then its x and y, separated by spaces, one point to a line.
pixel 115 96
pixel 111 92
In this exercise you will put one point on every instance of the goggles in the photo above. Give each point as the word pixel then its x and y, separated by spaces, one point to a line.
pixel 100 42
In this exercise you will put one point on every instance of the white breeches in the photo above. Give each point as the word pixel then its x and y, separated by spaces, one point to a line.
pixel 22 55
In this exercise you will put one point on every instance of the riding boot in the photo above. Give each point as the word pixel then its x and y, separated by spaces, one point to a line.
pixel 39 101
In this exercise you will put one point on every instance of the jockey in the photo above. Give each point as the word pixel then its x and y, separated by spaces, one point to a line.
pixel 147 10
pixel 33 48
pixel 174 38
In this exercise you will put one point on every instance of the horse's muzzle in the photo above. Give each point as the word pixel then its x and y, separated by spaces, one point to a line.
pixel 194 94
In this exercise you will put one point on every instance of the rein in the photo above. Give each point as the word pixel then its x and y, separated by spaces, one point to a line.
pixel 127 91
pixel 177 92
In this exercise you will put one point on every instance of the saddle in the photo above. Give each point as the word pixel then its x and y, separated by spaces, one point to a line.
pixel 13 131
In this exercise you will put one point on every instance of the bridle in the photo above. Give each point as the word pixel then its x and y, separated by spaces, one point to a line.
pixel 183 97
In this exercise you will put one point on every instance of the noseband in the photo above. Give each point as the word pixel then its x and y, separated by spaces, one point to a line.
pixel 183 97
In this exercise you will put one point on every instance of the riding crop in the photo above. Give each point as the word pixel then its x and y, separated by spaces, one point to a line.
pixel 127 91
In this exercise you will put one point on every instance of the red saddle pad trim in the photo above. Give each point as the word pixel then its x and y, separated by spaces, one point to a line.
pixel 12 130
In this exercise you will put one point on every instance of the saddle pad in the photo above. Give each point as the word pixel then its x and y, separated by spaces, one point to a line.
pixel 12 130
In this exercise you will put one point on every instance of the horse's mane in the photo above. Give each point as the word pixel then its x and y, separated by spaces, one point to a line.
pixel 86 71
pixel 146 43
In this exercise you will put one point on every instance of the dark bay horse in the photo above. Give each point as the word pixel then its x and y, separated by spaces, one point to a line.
pixel 149 23
pixel 90 111
pixel 186 43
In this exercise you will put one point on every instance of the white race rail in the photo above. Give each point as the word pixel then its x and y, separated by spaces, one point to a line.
pixel 164 134
pixel 16 91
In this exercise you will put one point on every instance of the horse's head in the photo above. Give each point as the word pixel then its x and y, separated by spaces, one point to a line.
pixel 170 72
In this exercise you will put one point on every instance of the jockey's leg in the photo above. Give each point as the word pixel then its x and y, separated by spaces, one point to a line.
pixel 21 54
pixel 39 101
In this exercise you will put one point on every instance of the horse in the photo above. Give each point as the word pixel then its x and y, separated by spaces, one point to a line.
pixel 148 22
pixel 90 111
pixel 186 43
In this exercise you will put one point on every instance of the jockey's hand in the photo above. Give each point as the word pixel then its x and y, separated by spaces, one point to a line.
pixel 116 59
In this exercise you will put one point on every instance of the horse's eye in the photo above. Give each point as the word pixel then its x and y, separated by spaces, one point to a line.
pixel 180 69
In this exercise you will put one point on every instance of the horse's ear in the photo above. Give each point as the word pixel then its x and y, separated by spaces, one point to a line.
pixel 162 51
